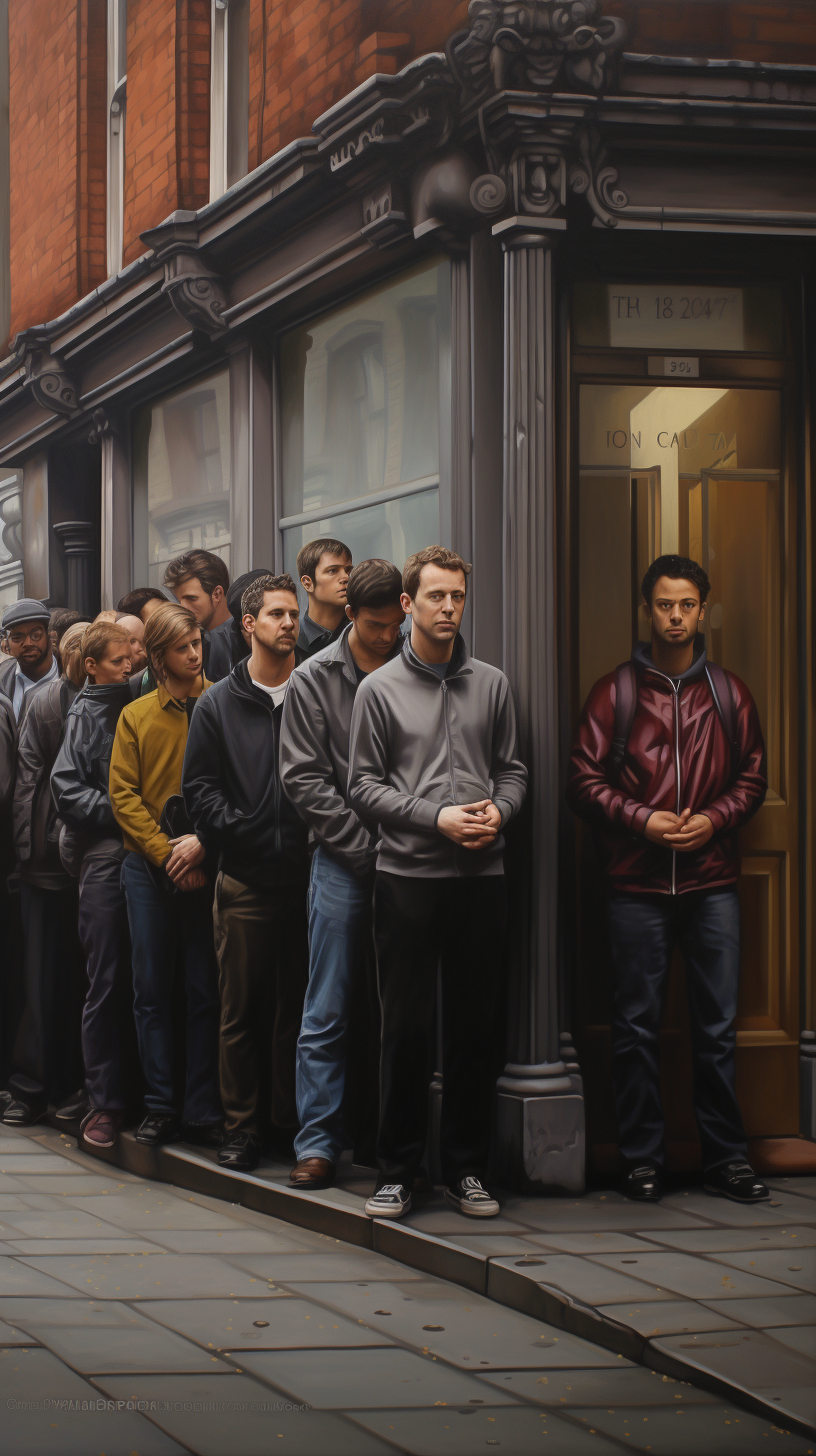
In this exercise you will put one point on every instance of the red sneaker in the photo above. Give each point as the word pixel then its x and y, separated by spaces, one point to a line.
pixel 101 1129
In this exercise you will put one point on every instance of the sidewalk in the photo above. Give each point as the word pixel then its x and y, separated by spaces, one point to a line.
pixel 135 1317
pixel 698 1288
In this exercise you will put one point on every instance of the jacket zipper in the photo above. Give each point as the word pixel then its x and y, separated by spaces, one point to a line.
pixel 278 845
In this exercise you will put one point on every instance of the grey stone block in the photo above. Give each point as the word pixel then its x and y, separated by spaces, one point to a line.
pixel 685 1274
pixel 359 1379
pixel 274 1323
pixel 541 1142
pixel 786 1309
pixel 797 1268
pixel 718 1430
pixel 623 1384
pixel 464 1430
pixel 672 1317
pixel 152 1276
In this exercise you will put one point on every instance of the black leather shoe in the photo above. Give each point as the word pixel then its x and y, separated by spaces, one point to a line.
pixel 74 1108
pixel 737 1181
pixel 203 1134
pixel 20 1114
pixel 158 1128
pixel 644 1184
pixel 241 1151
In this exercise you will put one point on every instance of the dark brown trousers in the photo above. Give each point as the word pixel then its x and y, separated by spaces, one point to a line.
pixel 261 940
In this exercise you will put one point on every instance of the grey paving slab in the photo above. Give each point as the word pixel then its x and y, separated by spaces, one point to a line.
pixel 584 1279
pixel 787 1309
pixel 17 1277
pixel 614 1215
pixel 236 1240
pixel 39 1162
pixel 261 1324
pixel 359 1379
pixel 441 1319
pixel 115 1245
pixel 801 1338
pixel 141 1348
pixel 153 1276
pixel 625 1385
pixel 100 1313
pixel 719 1431
pixel 721 1240
pixel 236 1409
pixel 806 1187
pixel 49 1202
pixel 798 1268
pixel 750 1360
pixel 463 1431
pixel 11 1203
pixel 77 1183
pixel 9 1183
pixel 68 1223
pixel 10 1335
pixel 672 1317
pixel 444 1220
pixel 684 1274
pixel 345 1263
pixel 597 1243
pixel 493 1246
pixel 152 1209
pixel 36 1376
pixel 784 1208
pixel 797 1401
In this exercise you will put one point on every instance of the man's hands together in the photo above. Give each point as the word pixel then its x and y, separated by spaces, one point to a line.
pixel 474 826
pixel 684 832
pixel 182 866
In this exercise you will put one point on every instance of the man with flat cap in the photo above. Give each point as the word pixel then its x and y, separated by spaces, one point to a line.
pixel 31 657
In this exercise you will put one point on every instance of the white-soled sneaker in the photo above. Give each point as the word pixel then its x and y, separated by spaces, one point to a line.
pixel 472 1199
pixel 390 1201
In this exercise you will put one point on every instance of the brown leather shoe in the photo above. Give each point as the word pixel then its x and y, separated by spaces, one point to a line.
pixel 312 1173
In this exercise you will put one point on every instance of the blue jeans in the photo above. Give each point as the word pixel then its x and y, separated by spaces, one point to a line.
pixel 162 926
pixel 644 930
pixel 340 912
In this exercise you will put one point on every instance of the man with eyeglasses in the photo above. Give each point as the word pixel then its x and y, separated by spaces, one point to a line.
pixel 32 662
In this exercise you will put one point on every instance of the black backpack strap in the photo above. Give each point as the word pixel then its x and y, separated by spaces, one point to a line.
pixel 625 708
pixel 724 703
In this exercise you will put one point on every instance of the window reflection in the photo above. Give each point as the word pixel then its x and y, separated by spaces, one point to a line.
pixel 182 469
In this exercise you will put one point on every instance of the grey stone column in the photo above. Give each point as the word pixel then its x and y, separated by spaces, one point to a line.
pixel 540 1103
pixel 77 541
pixel 116 565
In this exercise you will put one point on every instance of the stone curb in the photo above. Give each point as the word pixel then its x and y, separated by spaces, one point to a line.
pixel 186 1168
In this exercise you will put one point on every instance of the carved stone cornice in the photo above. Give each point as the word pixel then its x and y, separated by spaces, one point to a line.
pixel 194 290
pixel 399 118
pixel 541 46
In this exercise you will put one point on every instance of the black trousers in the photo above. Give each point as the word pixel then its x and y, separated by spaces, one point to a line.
pixel 108 1037
pixel 421 925
pixel 47 1057
pixel 644 930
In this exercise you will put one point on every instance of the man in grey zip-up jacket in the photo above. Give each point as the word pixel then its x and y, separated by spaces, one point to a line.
pixel 434 764
pixel 314 772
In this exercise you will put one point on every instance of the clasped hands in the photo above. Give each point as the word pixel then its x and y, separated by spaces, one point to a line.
pixel 182 866
pixel 474 826
pixel 684 832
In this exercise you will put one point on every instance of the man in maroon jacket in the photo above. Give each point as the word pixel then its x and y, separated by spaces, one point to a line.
pixel 668 764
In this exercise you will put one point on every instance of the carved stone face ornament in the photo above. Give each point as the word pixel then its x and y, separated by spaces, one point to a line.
pixel 540 45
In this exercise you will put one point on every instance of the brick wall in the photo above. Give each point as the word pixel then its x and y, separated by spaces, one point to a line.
pixel 750 30
pixel 57 150
pixel 167 133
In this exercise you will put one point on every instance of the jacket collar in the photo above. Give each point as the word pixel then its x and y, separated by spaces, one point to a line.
pixel 105 693
pixel 459 663
pixel 339 652
pixel 642 659
pixel 167 700
pixel 240 683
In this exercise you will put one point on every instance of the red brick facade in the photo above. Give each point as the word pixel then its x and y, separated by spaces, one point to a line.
pixel 304 56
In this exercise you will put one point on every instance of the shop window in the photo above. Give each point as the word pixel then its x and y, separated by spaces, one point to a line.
pixel 117 97
pixel 363 392
pixel 182 477
pixel 11 539
pixel 229 94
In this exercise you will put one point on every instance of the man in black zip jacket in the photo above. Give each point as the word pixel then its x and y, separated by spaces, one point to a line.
pixel 232 790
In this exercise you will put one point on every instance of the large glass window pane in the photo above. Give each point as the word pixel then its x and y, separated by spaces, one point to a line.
pixel 392 530
pixel 182 477
pixel 361 395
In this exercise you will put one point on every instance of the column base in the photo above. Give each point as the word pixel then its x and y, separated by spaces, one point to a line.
pixel 541 1137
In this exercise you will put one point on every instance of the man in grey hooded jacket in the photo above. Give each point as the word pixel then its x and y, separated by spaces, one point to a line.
pixel 434 763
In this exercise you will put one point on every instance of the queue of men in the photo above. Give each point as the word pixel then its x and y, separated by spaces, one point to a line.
pixel 220 814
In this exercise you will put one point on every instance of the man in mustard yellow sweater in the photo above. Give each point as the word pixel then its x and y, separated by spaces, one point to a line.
pixel 169 898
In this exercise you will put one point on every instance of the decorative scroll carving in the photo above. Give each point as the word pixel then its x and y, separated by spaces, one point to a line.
pixel 593 178
pixel 534 45
pixel 50 383
pixel 450 197
pixel 197 296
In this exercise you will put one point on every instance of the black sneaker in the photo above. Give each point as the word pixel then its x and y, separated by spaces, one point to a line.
pixel 75 1107
pixel 469 1196
pixel 737 1181
pixel 391 1201
pixel 240 1151
pixel 643 1184
pixel 158 1128
pixel 20 1114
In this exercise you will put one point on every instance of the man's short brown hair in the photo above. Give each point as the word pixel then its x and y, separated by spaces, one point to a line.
pixel 99 636
pixel 308 557
pixel 253 598
pixel 431 556
pixel 163 629
pixel 374 583
pixel 209 569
